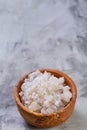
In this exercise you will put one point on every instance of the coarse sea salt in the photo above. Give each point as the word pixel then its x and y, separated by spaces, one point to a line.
pixel 44 93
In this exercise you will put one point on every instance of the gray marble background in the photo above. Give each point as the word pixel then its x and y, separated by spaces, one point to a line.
pixel 42 34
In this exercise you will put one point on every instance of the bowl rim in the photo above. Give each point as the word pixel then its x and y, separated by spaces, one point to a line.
pixel 74 93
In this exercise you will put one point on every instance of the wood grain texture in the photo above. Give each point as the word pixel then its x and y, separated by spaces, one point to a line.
pixel 47 120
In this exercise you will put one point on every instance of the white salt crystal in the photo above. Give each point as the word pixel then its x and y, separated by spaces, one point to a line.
pixel 57 102
pixel 61 80
pixel 44 93
pixel 34 106
pixel 49 110
pixel 66 96
pixel 43 111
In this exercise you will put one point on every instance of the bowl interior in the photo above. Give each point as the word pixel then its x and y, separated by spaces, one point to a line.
pixel 56 73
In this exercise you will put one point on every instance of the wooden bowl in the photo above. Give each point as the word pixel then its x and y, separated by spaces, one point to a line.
pixel 46 120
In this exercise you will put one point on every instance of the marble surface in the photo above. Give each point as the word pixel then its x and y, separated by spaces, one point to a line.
pixel 42 34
